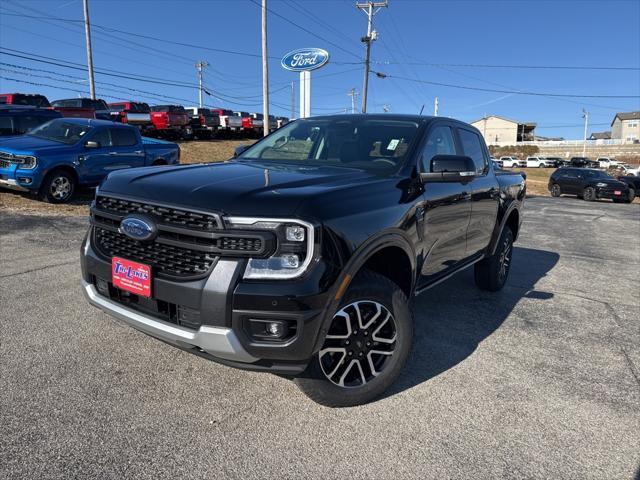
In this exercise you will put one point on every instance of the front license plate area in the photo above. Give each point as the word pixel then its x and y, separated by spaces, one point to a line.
pixel 617 192
pixel 131 276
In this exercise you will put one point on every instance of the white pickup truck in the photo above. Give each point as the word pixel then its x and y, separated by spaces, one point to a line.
pixel 229 123
pixel 512 162
pixel 539 162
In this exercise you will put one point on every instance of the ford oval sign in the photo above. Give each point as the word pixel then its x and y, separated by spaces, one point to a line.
pixel 138 228
pixel 305 59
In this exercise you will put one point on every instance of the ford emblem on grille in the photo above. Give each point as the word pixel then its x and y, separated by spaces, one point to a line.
pixel 139 228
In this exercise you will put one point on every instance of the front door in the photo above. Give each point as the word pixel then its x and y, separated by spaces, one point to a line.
pixel 447 208
pixel 95 161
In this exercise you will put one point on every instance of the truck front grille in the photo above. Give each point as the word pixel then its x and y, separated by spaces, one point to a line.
pixel 187 243
pixel 167 215
pixel 164 259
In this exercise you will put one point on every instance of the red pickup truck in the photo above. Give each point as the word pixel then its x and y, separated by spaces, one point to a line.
pixel 27 99
pixel 171 121
pixel 82 108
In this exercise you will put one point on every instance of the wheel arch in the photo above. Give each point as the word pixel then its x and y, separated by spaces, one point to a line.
pixel 390 254
pixel 63 167
pixel 513 220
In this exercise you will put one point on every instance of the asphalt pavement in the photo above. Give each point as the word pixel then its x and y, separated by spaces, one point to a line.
pixel 541 380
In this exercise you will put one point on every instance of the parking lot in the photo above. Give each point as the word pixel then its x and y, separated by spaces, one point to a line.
pixel 541 380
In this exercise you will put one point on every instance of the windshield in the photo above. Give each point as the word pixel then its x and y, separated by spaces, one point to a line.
pixel 375 145
pixel 61 131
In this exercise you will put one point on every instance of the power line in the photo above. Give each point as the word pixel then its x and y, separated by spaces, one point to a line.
pixel 529 67
pixel 255 2
pixel 514 92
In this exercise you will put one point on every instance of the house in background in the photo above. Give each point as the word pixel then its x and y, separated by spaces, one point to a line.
pixel 626 127
pixel 500 130
pixel 600 136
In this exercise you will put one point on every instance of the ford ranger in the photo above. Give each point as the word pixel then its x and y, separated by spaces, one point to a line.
pixel 56 158
pixel 300 255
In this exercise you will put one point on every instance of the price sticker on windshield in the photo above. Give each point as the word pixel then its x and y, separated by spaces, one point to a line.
pixel 393 144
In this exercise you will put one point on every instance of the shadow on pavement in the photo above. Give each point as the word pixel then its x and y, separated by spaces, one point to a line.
pixel 452 318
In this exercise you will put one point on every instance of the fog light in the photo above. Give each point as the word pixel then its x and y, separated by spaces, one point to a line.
pixel 26 180
pixel 295 233
pixel 102 286
pixel 275 329
pixel 290 261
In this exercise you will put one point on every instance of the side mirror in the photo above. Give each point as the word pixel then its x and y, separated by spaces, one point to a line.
pixel 239 150
pixel 450 168
pixel 91 144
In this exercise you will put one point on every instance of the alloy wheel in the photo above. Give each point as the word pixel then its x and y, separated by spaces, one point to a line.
pixel 359 344
pixel 505 259
pixel 60 188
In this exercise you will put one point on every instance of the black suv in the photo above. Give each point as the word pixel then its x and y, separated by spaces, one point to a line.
pixel 299 256
pixel 590 184
pixel 583 162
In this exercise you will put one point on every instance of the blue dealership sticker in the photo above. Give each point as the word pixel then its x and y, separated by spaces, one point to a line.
pixel 305 59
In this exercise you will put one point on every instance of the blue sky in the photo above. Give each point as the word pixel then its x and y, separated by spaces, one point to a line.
pixel 445 33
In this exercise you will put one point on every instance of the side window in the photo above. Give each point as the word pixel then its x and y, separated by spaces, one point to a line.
pixel 27 123
pixel 439 142
pixel 103 137
pixel 123 137
pixel 472 147
pixel 6 126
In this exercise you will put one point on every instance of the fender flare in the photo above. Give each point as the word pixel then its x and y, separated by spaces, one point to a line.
pixel 387 238
pixel 500 226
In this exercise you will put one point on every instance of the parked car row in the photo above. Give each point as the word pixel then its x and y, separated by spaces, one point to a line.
pixel 173 122
pixel 605 163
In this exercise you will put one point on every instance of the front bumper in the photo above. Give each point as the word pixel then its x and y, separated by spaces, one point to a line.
pixel 224 305
pixel 216 341
pixel 12 184
pixel 609 193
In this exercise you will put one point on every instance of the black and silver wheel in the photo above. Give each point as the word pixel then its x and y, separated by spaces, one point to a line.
pixel 366 346
pixel 630 196
pixel 556 191
pixel 589 194
pixel 58 187
pixel 491 273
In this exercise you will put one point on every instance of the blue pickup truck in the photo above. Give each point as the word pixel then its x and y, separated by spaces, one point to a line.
pixel 56 158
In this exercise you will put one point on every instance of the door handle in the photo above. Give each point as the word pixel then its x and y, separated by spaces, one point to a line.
pixel 138 152
pixel 113 153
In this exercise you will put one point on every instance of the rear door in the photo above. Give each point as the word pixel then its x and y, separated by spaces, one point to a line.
pixel 445 215
pixel 125 151
pixel 569 181
pixel 484 191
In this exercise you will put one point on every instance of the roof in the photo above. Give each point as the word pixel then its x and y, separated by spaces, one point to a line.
pixel 626 116
pixel 530 124
pixel 600 135
pixel 91 121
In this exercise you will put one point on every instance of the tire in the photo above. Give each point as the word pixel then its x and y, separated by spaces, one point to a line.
pixel 556 190
pixel 631 196
pixel 367 374
pixel 589 194
pixel 492 272
pixel 541 166
pixel 57 187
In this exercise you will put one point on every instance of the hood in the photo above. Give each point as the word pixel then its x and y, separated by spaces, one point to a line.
pixel 234 188
pixel 28 144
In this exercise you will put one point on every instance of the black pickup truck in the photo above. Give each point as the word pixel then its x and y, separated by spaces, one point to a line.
pixel 300 255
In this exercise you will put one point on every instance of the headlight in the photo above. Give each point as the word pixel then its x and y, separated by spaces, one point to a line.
pixel 294 250
pixel 27 162
pixel 600 184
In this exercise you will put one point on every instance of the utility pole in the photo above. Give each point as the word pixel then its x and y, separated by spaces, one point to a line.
pixel 293 100
pixel 370 8
pixel 200 66
pixel 585 115
pixel 87 32
pixel 265 71
pixel 353 94
pixel 435 107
